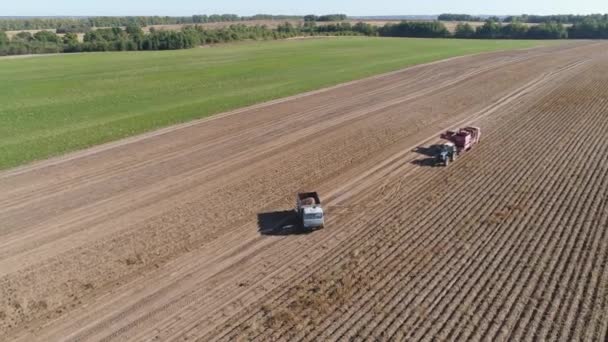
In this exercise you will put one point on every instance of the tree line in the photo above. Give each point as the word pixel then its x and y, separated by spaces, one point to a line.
pixel 27 43
pixel 133 38
pixel 493 29
pixel 528 18
pixel 433 29
pixel 458 17
pixel 83 25
pixel 516 30
pixel 327 17
pixel 564 19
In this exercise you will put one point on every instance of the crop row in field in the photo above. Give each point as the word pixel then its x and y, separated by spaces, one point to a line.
pixel 509 243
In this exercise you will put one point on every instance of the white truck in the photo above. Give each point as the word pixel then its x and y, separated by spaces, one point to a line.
pixel 309 210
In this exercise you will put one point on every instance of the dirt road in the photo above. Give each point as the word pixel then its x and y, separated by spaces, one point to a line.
pixel 177 234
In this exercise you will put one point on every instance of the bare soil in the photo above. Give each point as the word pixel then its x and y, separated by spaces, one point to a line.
pixel 184 233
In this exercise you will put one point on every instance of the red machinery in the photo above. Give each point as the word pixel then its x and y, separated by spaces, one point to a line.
pixel 464 139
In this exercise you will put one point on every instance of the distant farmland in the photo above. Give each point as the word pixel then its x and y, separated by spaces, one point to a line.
pixel 450 25
pixel 57 104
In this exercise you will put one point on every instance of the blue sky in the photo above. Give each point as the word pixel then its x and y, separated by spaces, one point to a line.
pixel 248 7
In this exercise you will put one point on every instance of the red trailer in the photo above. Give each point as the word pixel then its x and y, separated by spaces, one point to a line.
pixel 464 138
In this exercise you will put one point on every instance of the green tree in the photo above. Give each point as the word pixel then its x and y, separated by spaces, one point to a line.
pixel 514 30
pixel 23 37
pixel 589 29
pixel 464 30
pixel 136 37
pixel 70 38
pixel 134 30
pixel 433 29
pixel 3 39
pixel 332 17
pixel 71 43
pixel 548 31
pixel 365 29
pixel 286 27
pixel 46 36
pixel 494 18
pixel 490 30
pixel 457 17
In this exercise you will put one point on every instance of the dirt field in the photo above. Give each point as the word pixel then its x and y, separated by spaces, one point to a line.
pixel 183 233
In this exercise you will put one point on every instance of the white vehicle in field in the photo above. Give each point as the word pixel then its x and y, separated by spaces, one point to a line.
pixel 309 210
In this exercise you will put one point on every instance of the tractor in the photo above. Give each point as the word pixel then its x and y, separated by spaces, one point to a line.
pixel 457 142
pixel 446 153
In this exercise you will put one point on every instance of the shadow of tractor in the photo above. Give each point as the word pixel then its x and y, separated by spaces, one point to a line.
pixel 429 152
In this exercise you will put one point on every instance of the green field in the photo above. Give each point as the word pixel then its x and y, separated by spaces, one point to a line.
pixel 54 104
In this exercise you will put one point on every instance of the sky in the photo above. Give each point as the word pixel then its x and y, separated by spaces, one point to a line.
pixel 249 7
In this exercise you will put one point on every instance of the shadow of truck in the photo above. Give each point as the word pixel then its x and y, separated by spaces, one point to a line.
pixel 280 223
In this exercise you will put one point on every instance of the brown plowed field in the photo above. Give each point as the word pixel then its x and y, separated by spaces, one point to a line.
pixel 184 233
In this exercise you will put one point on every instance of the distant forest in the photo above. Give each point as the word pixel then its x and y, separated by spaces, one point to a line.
pixel 458 17
pixel 527 18
pixel 126 34
pixel 83 25
pixel 564 19
pixel 133 38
